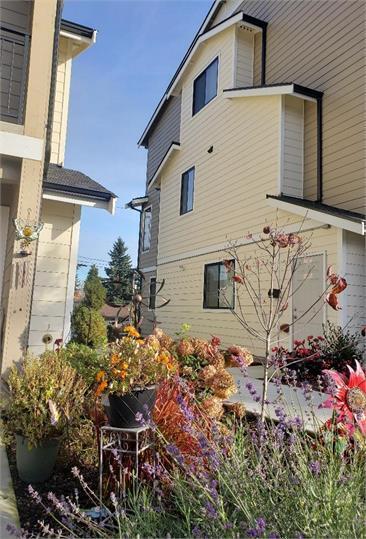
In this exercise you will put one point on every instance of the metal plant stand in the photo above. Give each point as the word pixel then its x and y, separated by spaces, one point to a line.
pixel 123 443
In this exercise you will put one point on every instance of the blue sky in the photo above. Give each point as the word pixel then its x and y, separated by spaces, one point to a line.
pixel 115 87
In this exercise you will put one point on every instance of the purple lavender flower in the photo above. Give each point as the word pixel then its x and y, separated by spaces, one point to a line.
pixel 315 467
pixel 175 453
pixel 210 510
pixel 261 523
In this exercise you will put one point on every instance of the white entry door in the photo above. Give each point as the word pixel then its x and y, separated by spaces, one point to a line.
pixel 4 220
pixel 308 285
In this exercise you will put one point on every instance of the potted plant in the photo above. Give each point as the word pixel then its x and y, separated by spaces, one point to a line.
pixel 44 396
pixel 134 368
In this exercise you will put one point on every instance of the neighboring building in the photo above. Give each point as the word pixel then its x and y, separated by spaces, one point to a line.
pixel 263 117
pixel 36 291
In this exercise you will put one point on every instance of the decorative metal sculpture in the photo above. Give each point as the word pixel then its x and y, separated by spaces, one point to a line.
pixel 26 231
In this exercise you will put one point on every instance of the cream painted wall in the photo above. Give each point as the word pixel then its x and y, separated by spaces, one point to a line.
pixel 55 273
pixel 230 190
pixel 60 114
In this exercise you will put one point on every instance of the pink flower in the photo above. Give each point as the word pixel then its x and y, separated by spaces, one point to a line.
pixel 349 400
pixel 238 279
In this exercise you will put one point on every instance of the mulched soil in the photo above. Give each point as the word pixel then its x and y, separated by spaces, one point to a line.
pixel 61 483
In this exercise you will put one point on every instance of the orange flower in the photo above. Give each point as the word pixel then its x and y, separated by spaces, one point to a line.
pixel 114 359
pixel 101 387
pixel 100 376
pixel 131 331
pixel 125 365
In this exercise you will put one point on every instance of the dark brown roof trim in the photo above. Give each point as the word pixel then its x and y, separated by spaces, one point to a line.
pixel 319 206
pixel 309 92
pixel 78 29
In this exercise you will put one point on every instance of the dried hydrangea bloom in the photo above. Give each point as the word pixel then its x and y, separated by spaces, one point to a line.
pixel 238 356
pixel 165 341
pixel 213 407
pixel 238 409
pixel 223 384
pixel 200 348
pixel 217 360
pixel 185 348
pixel 207 373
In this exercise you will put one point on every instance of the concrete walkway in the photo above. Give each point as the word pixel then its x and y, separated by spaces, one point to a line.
pixel 292 400
pixel 8 506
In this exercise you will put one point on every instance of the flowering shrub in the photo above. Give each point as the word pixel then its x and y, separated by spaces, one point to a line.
pixel 336 349
pixel 45 395
pixel 134 363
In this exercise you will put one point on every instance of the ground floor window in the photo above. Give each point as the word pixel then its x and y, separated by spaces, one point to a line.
pixel 152 293
pixel 218 289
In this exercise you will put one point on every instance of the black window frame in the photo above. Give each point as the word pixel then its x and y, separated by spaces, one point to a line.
pixel 183 210
pixel 152 296
pixel 202 75
pixel 218 306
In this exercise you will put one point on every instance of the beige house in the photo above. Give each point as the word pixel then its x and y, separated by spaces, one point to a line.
pixel 36 290
pixel 263 120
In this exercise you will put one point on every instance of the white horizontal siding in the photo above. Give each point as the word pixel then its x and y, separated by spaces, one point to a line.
pixel 292 166
pixel 355 274
pixel 244 57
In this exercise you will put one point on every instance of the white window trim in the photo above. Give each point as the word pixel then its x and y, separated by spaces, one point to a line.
pixel 143 230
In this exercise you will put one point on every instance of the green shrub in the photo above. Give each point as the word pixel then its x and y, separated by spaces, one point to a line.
pixel 45 397
pixel 340 347
pixel 88 326
pixel 85 360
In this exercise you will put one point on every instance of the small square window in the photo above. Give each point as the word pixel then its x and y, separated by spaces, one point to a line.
pixel 187 191
pixel 205 86
pixel 152 293
pixel 146 229
pixel 219 289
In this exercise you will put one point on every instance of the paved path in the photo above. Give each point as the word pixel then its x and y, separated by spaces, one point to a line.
pixel 293 401
pixel 8 507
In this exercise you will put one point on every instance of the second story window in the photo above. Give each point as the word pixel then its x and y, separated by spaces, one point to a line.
pixel 218 288
pixel 205 86
pixel 187 191
pixel 146 229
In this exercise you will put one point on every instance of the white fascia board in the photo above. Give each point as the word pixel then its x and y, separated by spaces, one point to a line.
pixel 81 200
pixel 171 150
pixel 80 43
pixel 286 89
pixel 338 222
pixel 202 39
pixel 21 146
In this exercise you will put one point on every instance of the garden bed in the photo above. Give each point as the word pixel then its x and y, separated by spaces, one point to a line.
pixel 61 483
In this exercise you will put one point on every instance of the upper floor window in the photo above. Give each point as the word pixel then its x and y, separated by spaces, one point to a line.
pixel 219 288
pixel 146 229
pixel 205 86
pixel 187 191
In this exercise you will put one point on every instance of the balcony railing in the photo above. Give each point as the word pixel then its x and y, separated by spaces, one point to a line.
pixel 14 53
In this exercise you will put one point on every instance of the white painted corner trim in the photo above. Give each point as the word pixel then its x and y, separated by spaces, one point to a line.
pixel 317 215
pixel 109 205
pixel 22 146
pixel 172 149
pixel 286 89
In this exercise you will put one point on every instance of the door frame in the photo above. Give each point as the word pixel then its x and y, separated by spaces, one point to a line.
pixel 325 313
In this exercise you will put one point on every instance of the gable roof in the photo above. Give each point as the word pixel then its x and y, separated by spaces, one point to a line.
pixel 67 180
pixel 204 32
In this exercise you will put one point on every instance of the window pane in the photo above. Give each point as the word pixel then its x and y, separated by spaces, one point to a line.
pixel 211 286
pixel 146 230
pixel 226 298
pixel 152 293
pixel 211 81
pixel 199 92
pixel 187 191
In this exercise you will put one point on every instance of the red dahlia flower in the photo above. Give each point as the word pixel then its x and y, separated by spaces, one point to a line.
pixel 349 399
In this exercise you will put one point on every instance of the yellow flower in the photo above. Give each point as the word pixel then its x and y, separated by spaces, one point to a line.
pixel 114 359
pixel 27 231
pixel 132 332
pixel 125 365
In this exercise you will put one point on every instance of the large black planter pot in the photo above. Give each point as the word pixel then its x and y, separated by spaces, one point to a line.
pixel 123 408
pixel 36 464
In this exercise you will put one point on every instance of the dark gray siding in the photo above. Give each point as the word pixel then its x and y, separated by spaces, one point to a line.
pixel 15 18
pixel 148 258
pixel 165 132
